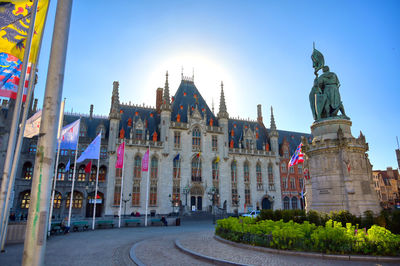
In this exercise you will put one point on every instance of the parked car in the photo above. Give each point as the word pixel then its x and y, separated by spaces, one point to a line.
pixel 252 214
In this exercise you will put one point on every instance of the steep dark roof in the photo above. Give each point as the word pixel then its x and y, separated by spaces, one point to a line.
pixel 149 117
pixel 91 123
pixel 238 125
pixel 294 139
pixel 185 97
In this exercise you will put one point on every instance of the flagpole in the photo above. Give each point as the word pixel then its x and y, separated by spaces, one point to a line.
pixel 97 182
pixel 14 124
pixel 147 189
pixel 73 179
pixel 16 156
pixel 122 187
pixel 60 122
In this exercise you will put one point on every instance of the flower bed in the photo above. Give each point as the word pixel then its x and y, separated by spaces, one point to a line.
pixel 332 238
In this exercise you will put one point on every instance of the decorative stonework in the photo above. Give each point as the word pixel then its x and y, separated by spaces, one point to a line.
pixel 341 174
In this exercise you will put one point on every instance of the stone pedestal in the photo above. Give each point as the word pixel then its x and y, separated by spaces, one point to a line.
pixel 340 171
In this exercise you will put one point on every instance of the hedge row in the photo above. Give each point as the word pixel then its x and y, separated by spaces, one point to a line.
pixel 387 219
pixel 332 238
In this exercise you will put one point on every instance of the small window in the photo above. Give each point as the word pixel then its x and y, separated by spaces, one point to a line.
pixel 32 148
pixel 196 139
pixel 137 170
pixel 27 170
pixel 103 153
pixel 286 203
pixel 76 201
pixel 57 200
pixel 214 143
pixel 177 139
pixel 26 199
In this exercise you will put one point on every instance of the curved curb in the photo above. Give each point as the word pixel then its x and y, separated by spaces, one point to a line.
pixel 132 254
pixel 310 254
pixel 204 257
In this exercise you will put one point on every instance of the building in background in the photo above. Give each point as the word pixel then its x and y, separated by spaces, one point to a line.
pixel 387 185
pixel 198 158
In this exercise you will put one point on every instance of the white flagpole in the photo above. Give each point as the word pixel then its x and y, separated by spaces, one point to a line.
pixel 147 189
pixel 73 179
pixel 122 188
pixel 60 122
pixel 97 182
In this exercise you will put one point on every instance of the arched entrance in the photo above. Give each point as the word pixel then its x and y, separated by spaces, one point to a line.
pixel 196 199
pixel 266 204
pixel 90 204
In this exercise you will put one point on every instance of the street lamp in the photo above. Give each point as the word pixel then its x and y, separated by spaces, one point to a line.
pixel 125 201
pixel 186 191
pixel 213 195
pixel 236 203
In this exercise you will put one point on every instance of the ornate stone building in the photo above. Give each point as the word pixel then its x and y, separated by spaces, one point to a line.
pixel 387 186
pixel 197 157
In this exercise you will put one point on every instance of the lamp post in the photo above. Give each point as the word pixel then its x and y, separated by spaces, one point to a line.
pixel 125 201
pixel 213 195
pixel 186 191
pixel 236 202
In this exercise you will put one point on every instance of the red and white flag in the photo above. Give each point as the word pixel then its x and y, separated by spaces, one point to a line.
pixel 145 162
pixel 120 156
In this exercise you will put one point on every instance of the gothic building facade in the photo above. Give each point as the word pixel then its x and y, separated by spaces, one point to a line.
pixel 197 159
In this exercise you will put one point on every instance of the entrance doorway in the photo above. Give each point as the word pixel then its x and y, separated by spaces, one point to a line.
pixel 266 204
pixel 90 204
pixel 196 202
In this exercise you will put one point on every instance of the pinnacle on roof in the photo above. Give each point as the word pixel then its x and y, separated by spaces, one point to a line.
pixel 114 110
pixel 222 106
pixel 166 102
pixel 273 125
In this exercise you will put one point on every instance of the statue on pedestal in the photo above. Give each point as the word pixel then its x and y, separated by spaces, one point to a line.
pixel 324 97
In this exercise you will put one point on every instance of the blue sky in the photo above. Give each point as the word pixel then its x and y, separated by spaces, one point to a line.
pixel 260 50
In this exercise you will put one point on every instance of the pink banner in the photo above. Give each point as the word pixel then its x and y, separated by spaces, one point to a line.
pixel 120 156
pixel 145 162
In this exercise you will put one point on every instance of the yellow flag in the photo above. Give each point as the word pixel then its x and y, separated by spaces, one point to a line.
pixel 14 25
pixel 217 160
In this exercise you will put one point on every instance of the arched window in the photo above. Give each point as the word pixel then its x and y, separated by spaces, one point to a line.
pixel 215 170
pixel 283 167
pixel 154 168
pixel 196 169
pixel 196 139
pixel 286 203
pixel 271 184
pixel 76 201
pixel 57 200
pixel 25 199
pixel 246 174
pixel 93 173
pixel 294 203
pixel 71 172
pixel 102 173
pixel 81 173
pixel 259 177
pixel 27 170
pixel 136 193
pixel 233 172
pixel 82 130
pixel 32 147
pixel 61 172
pixel 247 195
pixel 176 168
pixel 137 171
pixel 103 152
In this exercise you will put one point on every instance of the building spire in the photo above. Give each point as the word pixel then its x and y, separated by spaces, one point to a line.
pixel 114 110
pixel 222 106
pixel 273 125
pixel 166 102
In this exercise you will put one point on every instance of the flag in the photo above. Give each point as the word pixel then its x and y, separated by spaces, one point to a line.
pixel 297 156
pixel 14 25
pixel 67 167
pixel 92 151
pixel 70 136
pixel 217 160
pixel 306 173
pixel 198 155
pixel 176 158
pixel 120 156
pixel 32 125
pixel 145 162
pixel 88 167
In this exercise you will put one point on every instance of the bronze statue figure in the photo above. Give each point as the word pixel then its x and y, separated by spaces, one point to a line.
pixel 325 101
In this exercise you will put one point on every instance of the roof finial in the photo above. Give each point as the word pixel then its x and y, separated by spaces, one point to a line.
pixel 273 125
pixel 212 105
pixel 313 45
pixel 222 106
pixel 166 102
pixel 193 75
pixel 182 73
